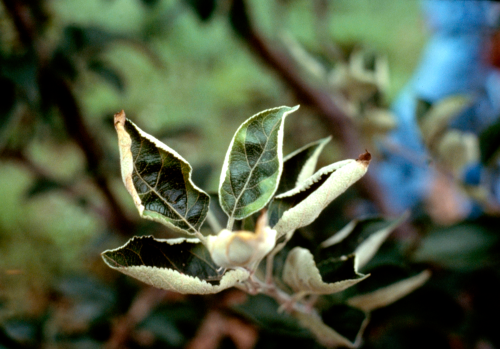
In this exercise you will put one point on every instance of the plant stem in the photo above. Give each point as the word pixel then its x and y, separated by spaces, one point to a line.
pixel 213 222
pixel 230 223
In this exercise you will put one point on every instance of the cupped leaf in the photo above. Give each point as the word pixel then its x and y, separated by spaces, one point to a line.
pixel 159 179
pixel 457 150
pixel 300 165
pixel 300 206
pixel 339 326
pixel 361 237
pixel 389 294
pixel 253 164
pixel 305 275
pixel 180 265
pixel 433 119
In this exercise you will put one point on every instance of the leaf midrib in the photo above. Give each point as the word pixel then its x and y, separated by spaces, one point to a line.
pixel 251 168
pixel 163 199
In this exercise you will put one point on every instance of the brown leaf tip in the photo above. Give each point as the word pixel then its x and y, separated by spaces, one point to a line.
pixel 365 157
pixel 120 118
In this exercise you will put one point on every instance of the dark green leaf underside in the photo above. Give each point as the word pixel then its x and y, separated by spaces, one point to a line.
pixel 192 259
pixel 162 182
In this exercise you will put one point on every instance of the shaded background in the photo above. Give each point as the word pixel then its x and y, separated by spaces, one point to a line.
pixel 189 72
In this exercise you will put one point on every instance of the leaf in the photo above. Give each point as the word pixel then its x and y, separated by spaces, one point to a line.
pixel 253 164
pixel 361 237
pixel 302 205
pixel 159 179
pixel 180 265
pixel 305 275
pixel 339 326
pixel 300 165
pixel 458 149
pixel 389 294
pixel 435 120
pixel 489 143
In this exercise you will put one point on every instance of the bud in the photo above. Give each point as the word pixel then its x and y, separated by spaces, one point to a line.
pixel 242 248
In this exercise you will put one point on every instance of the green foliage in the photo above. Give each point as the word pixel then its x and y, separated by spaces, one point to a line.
pixel 159 181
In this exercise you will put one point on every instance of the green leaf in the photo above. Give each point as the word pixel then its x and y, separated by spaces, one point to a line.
pixel 339 326
pixel 300 165
pixel 489 143
pixel 300 206
pixel 180 265
pixel 361 237
pixel 389 294
pixel 159 179
pixel 305 275
pixel 253 164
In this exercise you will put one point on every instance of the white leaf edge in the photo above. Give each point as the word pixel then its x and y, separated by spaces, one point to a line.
pixel 389 294
pixel 225 165
pixel 172 280
pixel 310 165
pixel 127 169
pixel 302 275
pixel 369 247
pixel 326 335
pixel 343 175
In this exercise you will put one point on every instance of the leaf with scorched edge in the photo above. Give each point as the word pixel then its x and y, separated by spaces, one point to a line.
pixel 253 164
pixel 180 265
pixel 361 237
pixel 300 165
pixel 305 275
pixel 339 326
pixel 159 179
pixel 389 294
pixel 303 204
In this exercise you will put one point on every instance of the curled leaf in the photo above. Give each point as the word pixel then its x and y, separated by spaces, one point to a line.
pixel 300 206
pixel 345 331
pixel 159 179
pixel 306 276
pixel 300 165
pixel 253 164
pixel 389 294
pixel 180 265
pixel 361 237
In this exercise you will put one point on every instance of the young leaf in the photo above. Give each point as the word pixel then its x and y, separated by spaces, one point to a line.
pixel 361 237
pixel 302 205
pixel 180 265
pixel 306 276
pixel 436 119
pixel 253 164
pixel 345 330
pixel 300 165
pixel 389 294
pixel 159 179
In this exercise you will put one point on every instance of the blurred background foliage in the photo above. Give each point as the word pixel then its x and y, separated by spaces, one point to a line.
pixel 189 72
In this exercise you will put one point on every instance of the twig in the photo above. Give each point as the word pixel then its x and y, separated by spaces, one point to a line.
pixel 333 117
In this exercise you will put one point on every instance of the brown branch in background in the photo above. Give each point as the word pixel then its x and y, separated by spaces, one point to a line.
pixel 334 119
pixel 53 87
